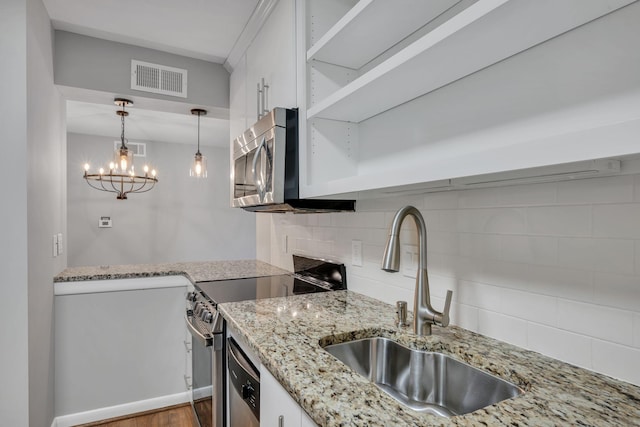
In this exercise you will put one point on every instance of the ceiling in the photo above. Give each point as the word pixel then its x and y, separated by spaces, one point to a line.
pixel 202 29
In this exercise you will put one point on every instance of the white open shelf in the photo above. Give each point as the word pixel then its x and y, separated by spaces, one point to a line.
pixel 422 173
pixel 372 27
pixel 479 36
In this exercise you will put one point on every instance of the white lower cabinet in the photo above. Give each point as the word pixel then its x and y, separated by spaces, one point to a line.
pixel 277 408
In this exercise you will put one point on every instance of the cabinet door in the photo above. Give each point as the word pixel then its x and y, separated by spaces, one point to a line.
pixel 238 99
pixel 275 402
pixel 271 56
pixel 307 421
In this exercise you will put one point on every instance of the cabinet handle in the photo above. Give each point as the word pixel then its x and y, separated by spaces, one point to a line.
pixel 265 98
pixel 259 99
pixel 281 421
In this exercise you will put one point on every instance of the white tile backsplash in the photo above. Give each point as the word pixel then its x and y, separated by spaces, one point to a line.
pixel 503 328
pixel 616 360
pixel 536 194
pixel 553 267
pixel 529 249
pixel 611 255
pixel 525 305
pixel 616 290
pixel 596 320
pixel 566 346
pixel 499 221
pixel 615 189
pixel 621 220
pixel 559 220
pixel 479 295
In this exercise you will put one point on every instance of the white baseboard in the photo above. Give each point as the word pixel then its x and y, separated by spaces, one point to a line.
pixel 120 410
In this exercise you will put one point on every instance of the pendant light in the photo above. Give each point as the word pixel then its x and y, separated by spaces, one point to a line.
pixel 121 177
pixel 199 166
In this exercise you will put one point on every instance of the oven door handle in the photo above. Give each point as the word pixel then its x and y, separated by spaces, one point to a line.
pixel 206 341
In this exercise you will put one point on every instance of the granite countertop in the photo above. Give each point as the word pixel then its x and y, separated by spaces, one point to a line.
pixel 285 333
pixel 194 271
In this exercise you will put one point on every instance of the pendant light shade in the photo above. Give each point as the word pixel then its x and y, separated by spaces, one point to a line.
pixel 121 178
pixel 199 165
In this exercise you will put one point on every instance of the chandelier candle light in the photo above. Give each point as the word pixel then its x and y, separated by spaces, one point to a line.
pixel 121 177
pixel 199 166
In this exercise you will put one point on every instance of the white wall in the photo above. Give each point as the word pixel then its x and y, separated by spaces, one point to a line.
pixel 123 351
pixel 181 219
pixel 553 267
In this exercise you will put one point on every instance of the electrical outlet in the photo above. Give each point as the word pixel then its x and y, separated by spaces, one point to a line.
pixel 409 260
pixel 356 253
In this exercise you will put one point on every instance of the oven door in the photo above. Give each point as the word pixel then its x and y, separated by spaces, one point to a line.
pixel 207 372
pixel 258 170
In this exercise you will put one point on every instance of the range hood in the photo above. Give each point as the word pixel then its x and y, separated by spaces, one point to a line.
pixel 306 206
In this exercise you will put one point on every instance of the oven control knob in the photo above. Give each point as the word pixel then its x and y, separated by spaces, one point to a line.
pixel 247 391
pixel 197 309
pixel 207 317
pixel 191 296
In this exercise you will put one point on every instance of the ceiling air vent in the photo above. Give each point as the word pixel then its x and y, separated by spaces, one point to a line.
pixel 160 79
pixel 139 149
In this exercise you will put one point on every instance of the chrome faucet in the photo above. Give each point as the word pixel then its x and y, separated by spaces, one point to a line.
pixel 423 314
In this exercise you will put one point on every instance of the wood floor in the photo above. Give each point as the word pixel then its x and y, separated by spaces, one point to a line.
pixel 172 416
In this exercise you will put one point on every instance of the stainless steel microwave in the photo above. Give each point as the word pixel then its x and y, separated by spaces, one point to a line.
pixel 265 172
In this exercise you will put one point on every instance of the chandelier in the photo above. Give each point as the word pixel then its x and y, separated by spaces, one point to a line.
pixel 121 177
pixel 199 165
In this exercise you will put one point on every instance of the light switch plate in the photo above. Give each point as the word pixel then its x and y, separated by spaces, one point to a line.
pixel 60 245
pixel 409 260
pixel 356 253
pixel 55 245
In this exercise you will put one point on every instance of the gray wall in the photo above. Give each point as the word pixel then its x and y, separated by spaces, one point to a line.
pixel 32 123
pixel 96 64
pixel 182 219
pixel 46 194
pixel 13 262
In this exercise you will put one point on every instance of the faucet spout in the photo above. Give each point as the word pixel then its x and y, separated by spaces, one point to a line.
pixel 424 315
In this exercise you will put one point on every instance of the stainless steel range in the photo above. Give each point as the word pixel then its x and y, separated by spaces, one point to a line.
pixel 209 330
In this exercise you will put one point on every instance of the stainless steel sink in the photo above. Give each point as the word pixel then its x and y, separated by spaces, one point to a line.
pixel 423 381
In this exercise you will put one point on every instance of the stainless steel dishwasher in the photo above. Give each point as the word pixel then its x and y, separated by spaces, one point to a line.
pixel 244 388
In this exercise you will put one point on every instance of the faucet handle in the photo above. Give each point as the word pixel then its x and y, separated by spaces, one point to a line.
pixel 444 318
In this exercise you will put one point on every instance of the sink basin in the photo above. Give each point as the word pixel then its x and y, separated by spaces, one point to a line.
pixel 423 381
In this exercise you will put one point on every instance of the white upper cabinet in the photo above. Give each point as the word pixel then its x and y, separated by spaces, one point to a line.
pixel 270 59
pixel 410 92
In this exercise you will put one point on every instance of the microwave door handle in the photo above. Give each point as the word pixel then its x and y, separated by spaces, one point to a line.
pixel 260 187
